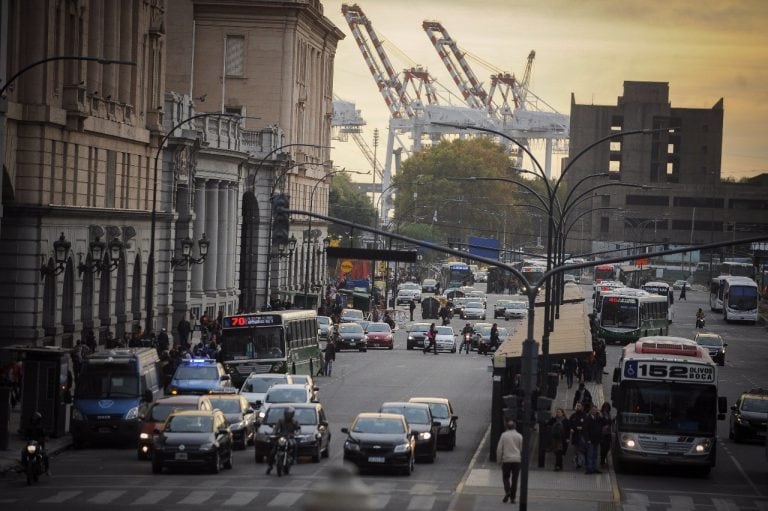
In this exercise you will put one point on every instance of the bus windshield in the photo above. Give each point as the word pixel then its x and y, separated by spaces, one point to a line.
pixel 667 408
pixel 619 312
pixel 253 343
pixel 742 298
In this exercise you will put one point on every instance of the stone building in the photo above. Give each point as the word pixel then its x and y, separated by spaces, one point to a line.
pixel 685 201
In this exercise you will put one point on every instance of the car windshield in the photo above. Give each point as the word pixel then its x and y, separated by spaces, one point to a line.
pixel 304 416
pixel 102 382
pixel 444 330
pixel 754 405
pixel 439 410
pixel 352 314
pixel 410 285
pixel 419 328
pixel 160 411
pixel 412 414
pixel 379 426
pixel 227 405
pixel 709 341
pixel 517 305
pixel 502 303
pixel 323 320
pixel 619 312
pixel 379 327
pixel 196 373
pixel 189 424
pixel 742 298
pixel 473 305
pixel 350 328
pixel 286 396
pixel 261 385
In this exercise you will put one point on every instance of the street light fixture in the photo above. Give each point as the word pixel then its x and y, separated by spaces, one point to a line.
pixel 282 253
pixel 96 249
pixel 60 250
pixel 186 258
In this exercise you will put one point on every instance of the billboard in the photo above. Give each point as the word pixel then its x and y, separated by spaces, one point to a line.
pixel 484 247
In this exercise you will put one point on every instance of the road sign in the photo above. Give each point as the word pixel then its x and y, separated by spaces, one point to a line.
pixel 642 262
pixel 346 266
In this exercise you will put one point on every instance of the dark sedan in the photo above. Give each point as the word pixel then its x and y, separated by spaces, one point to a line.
pixel 747 421
pixel 380 440
pixel 416 335
pixel 193 438
pixel 423 426
pixel 714 344
pixel 351 337
pixel 442 411
pixel 314 438
pixel 239 415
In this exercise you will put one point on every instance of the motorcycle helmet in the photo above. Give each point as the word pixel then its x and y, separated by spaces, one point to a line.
pixel 289 413
pixel 36 419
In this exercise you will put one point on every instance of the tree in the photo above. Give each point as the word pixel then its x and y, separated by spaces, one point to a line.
pixel 348 203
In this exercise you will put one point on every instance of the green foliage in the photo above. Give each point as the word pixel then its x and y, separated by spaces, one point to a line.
pixel 346 202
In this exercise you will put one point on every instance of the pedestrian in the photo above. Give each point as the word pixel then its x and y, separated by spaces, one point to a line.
pixel 682 292
pixel 330 356
pixel 571 364
pixel 412 307
pixel 593 434
pixel 431 337
pixel 600 362
pixel 321 360
pixel 582 396
pixel 163 342
pixel 508 453
pixel 605 440
pixel 576 422
pixel 559 430
pixel 184 328
pixel 494 337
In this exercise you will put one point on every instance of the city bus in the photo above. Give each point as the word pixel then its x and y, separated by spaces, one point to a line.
pixel 735 297
pixel 270 342
pixel 606 272
pixel 662 289
pixel 628 314
pixel 456 275
pixel 533 274
pixel 665 395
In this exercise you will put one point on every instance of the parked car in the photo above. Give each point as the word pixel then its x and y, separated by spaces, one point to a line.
pixel 197 438
pixel 379 336
pixel 473 310
pixel 255 387
pixel 678 284
pixel 380 440
pixel 314 440
pixel 516 310
pixel 442 411
pixel 351 316
pixel 199 376
pixel 570 277
pixel 240 416
pixel 416 335
pixel 714 344
pixel 156 414
pixel 748 416
pixel 420 420
pixel 428 286
pixel 351 337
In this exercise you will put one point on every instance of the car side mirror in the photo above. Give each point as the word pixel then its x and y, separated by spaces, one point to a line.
pixel 733 408
pixel 455 417
pixel 345 431
pixel 725 344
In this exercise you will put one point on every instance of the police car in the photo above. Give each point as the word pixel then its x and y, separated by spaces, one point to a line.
pixel 199 376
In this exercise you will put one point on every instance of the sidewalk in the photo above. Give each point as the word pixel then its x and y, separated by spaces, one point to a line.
pixel 569 490
pixel 9 459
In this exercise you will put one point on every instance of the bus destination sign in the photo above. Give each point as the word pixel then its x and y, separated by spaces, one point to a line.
pixel 637 370
pixel 255 320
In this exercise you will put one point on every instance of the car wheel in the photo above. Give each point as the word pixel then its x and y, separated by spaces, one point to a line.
pixel 391 346
pixel 409 469
pixel 157 467
pixel 230 460
pixel 216 465
pixel 453 440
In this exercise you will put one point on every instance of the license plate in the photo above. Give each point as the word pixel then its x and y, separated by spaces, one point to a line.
pixel 375 459
pixel 181 456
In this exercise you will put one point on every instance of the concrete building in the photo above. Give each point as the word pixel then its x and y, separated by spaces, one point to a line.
pixel 686 202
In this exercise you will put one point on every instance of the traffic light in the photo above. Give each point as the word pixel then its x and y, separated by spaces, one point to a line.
pixel 281 221
pixel 513 407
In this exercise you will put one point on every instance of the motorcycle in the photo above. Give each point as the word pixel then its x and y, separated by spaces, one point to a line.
pixel 32 461
pixel 700 322
pixel 284 455
pixel 468 342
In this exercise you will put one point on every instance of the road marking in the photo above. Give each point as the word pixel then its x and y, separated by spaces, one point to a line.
pixel 60 497
pixel 724 505
pixel 421 502
pixel 197 497
pixel 380 501
pixel 241 498
pixel 740 469
pixel 422 489
pixel 105 497
pixel 151 497
pixel 284 499
pixel 680 502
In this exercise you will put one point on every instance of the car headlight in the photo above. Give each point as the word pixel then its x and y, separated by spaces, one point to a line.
pixel 403 448
pixel 425 436
pixel 410 338
pixel 144 436
pixel 31 449
pixel 352 446
pixel 703 446
pixel 741 420
pixel 629 441
pixel 132 414
pixel 77 415
pixel 206 447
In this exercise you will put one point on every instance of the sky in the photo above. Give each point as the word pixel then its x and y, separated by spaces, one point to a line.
pixel 704 49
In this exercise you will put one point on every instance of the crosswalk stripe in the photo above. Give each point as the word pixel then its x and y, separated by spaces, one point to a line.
pixel 421 502
pixel 105 497
pixel 60 497
pixel 285 499
pixel 241 498
pixel 380 501
pixel 681 502
pixel 724 505
pixel 151 497
pixel 197 497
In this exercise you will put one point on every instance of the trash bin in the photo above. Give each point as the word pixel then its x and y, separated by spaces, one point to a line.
pixel 5 416
pixel 552 381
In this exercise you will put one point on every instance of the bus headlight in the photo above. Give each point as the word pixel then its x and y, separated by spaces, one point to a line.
pixel 703 446
pixel 629 441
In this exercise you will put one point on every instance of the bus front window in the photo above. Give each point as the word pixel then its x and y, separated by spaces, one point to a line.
pixel 618 312
pixel 253 343
pixel 269 343
pixel 666 408
pixel 742 298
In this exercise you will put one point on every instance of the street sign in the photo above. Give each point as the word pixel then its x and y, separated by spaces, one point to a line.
pixel 642 262
pixel 346 266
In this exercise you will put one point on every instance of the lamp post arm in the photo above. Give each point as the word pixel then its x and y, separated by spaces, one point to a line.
pixel 61 57
pixel 584 213
pixel 586 193
pixel 506 180
pixel 579 182
pixel 273 151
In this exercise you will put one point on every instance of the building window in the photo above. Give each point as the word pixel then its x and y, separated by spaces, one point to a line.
pixel 617 123
pixel 235 55
pixel 647 200
pixel 605 224
pixel 235 110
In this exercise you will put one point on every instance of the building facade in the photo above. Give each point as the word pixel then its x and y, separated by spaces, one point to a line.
pixel 684 201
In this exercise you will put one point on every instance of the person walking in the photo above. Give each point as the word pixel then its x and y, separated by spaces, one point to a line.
pixel 184 329
pixel 571 364
pixel 330 356
pixel 431 334
pixel 412 307
pixel 593 434
pixel 605 440
pixel 508 453
pixel 559 429
pixel 576 422
pixel 682 292
pixel 582 396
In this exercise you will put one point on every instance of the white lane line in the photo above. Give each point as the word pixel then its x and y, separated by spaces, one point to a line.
pixel 380 501
pixel 724 505
pixel 284 499
pixel 105 497
pixel 60 497
pixel 743 473
pixel 680 502
pixel 197 497
pixel 241 498
pixel 421 502
pixel 151 497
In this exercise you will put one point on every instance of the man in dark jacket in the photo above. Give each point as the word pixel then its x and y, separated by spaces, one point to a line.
pixel 582 395
pixel 576 421
pixel 592 433
pixel 412 307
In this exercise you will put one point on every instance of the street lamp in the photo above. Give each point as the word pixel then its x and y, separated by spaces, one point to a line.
pixel 186 258
pixel 283 250
pixel 60 250
pixel 114 248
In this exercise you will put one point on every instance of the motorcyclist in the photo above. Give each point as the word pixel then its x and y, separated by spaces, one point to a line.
pixel 36 432
pixel 388 320
pixel 700 318
pixel 464 342
pixel 288 427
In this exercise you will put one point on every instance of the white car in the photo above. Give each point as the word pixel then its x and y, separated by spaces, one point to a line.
pixel 255 387
pixel 473 310
pixel 404 296
pixel 516 310
pixel 445 339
